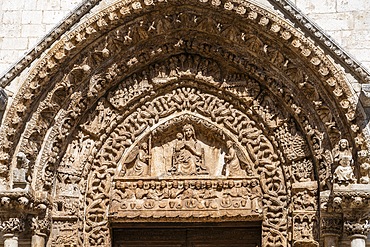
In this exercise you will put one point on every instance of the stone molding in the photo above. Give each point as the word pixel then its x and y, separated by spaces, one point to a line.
pixel 121 111
pixel 330 46
pixel 68 22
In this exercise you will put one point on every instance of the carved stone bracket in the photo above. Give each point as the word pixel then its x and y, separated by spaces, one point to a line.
pixel 23 200
pixel 353 196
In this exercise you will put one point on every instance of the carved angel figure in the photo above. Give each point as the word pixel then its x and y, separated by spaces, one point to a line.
pixel 138 160
pixel 343 158
pixel 234 159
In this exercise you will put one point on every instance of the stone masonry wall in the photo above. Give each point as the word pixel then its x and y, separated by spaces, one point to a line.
pixel 24 23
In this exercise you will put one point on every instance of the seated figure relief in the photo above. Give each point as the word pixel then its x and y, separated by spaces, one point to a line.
pixel 188 155
pixel 342 153
pixel 180 150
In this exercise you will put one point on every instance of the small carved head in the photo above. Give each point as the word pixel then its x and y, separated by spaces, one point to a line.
pixel 179 136
pixel 22 160
pixel 144 146
pixel 188 130
pixel 245 183
pixel 343 144
pixel 231 184
pixel 140 184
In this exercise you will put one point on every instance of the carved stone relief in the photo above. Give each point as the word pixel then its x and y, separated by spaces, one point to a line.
pixel 218 123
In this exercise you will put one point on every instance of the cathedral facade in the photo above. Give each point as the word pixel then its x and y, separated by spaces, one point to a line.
pixel 186 123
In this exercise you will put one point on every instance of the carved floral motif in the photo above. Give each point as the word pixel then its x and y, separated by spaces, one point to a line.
pixel 96 115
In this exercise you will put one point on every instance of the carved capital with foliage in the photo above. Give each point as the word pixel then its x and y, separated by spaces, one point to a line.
pixel 357 228
pixel 12 225
pixel 40 226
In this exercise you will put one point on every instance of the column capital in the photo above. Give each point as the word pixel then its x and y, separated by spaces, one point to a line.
pixel 12 225
pixel 331 225
pixel 40 225
pixel 355 228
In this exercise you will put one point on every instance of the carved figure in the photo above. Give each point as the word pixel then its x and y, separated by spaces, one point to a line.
pixel 234 159
pixel 139 159
pixel 20 172
pixel 343 157
pixel 187 158
pixel 365 173
pixel 256 194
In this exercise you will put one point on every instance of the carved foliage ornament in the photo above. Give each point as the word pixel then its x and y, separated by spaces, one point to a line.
pixel 120 12
pixel 103 167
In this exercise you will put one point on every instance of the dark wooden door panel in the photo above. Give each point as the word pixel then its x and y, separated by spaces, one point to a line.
pixel 188 237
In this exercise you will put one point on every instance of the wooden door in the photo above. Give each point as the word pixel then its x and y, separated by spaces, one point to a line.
pixel 188 237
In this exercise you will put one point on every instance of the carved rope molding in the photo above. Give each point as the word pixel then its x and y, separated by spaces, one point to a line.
pixel 349 63
pixel 68 22
pixel 319 60
pixel 285 6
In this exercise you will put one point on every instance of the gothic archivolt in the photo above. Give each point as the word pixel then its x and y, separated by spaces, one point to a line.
pixel 159 110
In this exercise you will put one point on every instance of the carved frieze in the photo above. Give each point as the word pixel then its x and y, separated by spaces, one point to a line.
pixel 186 198
pixel 175 114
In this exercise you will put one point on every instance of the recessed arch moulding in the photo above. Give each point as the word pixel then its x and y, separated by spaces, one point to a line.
pixel 182 110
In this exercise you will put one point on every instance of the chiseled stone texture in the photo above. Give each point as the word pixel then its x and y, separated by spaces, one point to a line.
pixel 346 21
pixel 24 23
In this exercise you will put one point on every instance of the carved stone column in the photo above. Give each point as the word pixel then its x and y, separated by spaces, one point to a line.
pixel 357 232
pixel 11 229
pixel 40 228
pixel 331 228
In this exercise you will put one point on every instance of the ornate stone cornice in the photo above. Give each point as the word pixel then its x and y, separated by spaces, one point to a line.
pixel 47 41
pixel 355 196
pixel 23 200
pixel 350 64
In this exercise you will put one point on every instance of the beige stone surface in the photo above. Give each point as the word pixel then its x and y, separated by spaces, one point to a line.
pixel 24 23
pixel 181 115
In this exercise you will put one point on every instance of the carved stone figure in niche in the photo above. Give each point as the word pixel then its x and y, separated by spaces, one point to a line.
pixel 365 173
pixel 188 155
pixel 138 159
pixel 234 159
pixel 343 158
pixel 20 172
